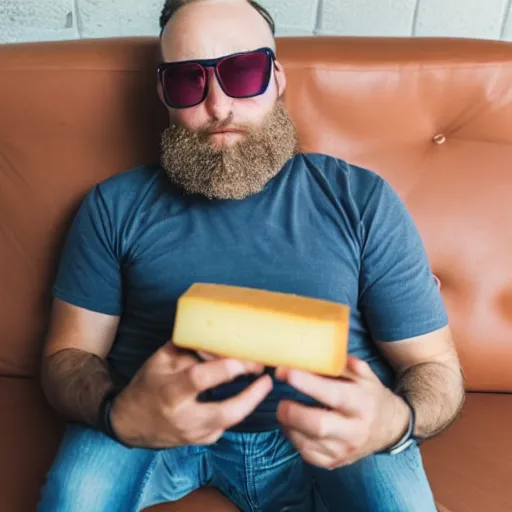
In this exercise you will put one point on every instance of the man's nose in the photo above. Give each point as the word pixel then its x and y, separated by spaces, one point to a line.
pixel 218 104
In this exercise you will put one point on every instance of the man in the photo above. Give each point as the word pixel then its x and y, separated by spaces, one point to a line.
pixel 234 202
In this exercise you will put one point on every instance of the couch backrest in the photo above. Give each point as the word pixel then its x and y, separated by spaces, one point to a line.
pixel 434 117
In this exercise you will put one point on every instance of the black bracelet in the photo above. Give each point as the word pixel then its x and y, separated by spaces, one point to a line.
pixel 104 423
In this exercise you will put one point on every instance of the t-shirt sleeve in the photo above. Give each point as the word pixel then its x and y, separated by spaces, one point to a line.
pixel 399 296
pixel 89 275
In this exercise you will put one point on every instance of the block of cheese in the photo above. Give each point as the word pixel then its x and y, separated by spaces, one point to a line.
pixel 275 329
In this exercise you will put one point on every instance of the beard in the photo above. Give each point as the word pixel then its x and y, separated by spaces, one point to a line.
pixel 237 171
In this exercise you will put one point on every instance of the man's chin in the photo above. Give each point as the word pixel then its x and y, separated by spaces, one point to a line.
pixel 229 163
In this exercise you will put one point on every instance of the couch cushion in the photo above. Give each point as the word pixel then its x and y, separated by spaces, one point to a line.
pixel 29 436
pixel 469 466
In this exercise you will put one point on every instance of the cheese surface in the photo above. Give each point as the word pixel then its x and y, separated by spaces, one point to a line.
pixel 275 329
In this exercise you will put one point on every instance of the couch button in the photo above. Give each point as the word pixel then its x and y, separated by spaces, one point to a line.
pixel 439 139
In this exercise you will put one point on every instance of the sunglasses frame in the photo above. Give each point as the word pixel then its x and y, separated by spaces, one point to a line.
pixel 214 63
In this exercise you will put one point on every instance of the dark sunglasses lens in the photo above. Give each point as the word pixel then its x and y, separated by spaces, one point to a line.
pixel 245 75
pixel 184 84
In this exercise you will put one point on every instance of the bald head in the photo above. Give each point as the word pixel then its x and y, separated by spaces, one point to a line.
pixel 206 29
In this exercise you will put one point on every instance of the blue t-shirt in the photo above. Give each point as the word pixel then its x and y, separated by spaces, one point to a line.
pixel 321 228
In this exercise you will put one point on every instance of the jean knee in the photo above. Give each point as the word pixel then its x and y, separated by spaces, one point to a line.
pixel 378 483
pixel 93 472
pixel 79 490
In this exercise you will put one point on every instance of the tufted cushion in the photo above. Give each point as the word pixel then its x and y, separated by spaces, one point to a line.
pixel 434 117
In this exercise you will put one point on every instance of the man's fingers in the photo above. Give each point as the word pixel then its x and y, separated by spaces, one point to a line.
pixel 209 419
pixel 329 448
pixel 341 395
pixel 320 460
pixel 311 421
pixel 209 374
pixel 233 410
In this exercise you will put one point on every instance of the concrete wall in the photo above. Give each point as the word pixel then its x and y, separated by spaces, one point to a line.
pixel 38 20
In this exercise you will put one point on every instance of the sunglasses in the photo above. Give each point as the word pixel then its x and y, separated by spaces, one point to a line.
pixel 240 75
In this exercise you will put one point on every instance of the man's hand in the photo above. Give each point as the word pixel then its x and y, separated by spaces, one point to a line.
pixel 159 408
pixel 361 417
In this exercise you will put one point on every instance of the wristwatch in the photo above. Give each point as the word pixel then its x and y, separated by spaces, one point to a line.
pixel 104 423
pixel 409 439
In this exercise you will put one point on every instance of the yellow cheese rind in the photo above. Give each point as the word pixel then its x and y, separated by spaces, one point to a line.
pixel 272 328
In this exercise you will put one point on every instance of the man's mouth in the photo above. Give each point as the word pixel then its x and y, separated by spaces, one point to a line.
pixel 227 131
pixel 226 137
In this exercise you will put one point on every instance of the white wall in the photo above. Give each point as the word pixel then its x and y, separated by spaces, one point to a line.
pixel 37 20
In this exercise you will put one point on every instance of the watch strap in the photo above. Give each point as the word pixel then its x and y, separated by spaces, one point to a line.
pixel 104 420
pixel 408 438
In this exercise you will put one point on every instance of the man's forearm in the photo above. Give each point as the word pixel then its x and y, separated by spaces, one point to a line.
pixel 436 391
pixel 75 383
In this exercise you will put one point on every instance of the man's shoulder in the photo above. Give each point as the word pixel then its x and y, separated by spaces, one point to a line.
pixel 331 165
pixel 131 181
pixel 359 182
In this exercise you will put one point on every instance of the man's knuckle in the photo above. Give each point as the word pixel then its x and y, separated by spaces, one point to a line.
pixel 335 464
pixel 344 453
pixel 323 426
pixel 331 448
pixel 347 456
pixel 308 457
pixel 350 446
pixel 338 401
pixel 194 376
pixel 300 443
pixel 311 447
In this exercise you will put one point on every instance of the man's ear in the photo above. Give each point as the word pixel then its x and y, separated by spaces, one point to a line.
pixel 280 78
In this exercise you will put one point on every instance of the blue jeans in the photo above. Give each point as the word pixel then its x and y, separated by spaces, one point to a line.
pixel 259 472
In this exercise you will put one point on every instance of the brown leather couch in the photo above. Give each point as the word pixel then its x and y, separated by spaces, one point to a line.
pixel 434 117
